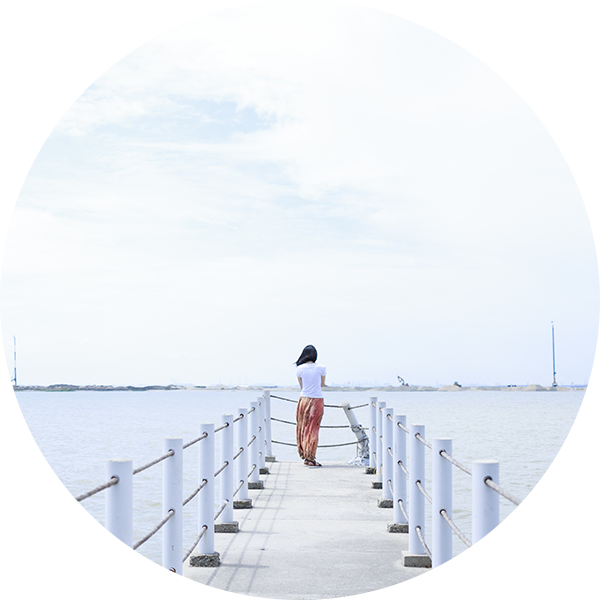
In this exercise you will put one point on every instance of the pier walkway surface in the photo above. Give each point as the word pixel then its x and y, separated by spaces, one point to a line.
pixel 313 532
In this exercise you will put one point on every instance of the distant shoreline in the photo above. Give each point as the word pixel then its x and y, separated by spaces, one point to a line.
pixel 64 387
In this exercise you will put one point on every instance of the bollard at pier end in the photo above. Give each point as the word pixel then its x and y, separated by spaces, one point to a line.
pixel 241 462
pixel 172 533
pixel 387 414
pixel 12 549
pixel 486 502
pixel 576 565
pixel 206 496
pixel 441 496
pixel 119 500
pixel 416 505
pixel 399 477
pixel 373 435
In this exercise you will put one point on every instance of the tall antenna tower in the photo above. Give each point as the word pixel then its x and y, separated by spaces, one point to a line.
pixel 553 358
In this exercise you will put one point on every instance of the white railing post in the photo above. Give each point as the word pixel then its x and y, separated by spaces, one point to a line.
pixel 387 461
pixel 254 450
pixel 172 533
pixel 486 501
pixel 227 474
pixel 268 446
pixel 119 500
pixel 441 496
pixel 399 436
pixel 576 565
pixel 261 436
pixel 379 465
pixel 373 433
pixel 206 496
pixel 242 459
pixel 416 501
pixel 12 549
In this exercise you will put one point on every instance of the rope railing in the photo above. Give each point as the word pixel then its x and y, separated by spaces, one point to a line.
pixel 52 511
pixel 320 426
pixel 405 429
pixel 164 584
pixel 423 440
pixel 588 542
pixel 225 503
pixel 325 405
pixel 222 427
pixel 401 505
pixel 223 467
pixel 114 561
pixel 500 577
pixel 454 528
pixel 423 491
pixel 448 583
pixel 524 505
pixel 202 437
pixel 240 451
pixel 239 487
pixel 203 530
pixel 401 465
pixel 325 445
pixel 422 540
pixel 195 492
pixel 170 514
pixel 455 462
pixel 153 462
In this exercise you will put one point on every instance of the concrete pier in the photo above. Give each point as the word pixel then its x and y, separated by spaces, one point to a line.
pixel 312 532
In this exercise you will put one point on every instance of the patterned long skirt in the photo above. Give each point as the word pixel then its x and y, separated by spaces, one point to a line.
pixel 309 413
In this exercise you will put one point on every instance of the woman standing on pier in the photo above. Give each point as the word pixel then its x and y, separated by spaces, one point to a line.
pixel 309 411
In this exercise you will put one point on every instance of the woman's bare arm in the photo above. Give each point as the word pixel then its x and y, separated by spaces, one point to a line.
pixel 322 380
pixel 300 382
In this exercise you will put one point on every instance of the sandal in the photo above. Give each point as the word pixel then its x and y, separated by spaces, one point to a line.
pixel 312 463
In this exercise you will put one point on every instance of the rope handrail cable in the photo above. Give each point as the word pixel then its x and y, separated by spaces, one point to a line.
pixel 238 418
pixel 154 462
pixel 324 446
pixel 423 440
pixel 524 505
pixel 390 452
pixel 252 470
pixel 403 509
pixel 195 492
pixel 223 467
pixel 422 540
pixel 203 436
pixel 423 491
pixel 204 530
pixel 500 577
pixel 114 561
pixel 320 426
pixel 251 440
pixel 155 530
pixel 455 462
pixel 222 427
pixel 164 583
pixel 402 427
pixel 225 503
pixel 240 451
pixel 454 528
pixel 325 405
pixel 588 542
pixel 403 467
pixel 51 511
pixel 239 487
pixel 389 481
pixel 448 583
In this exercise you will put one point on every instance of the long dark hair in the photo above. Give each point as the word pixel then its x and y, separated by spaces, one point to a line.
pixel 308 354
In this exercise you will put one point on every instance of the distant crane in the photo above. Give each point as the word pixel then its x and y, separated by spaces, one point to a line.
pixel 14 379
pixel 401 381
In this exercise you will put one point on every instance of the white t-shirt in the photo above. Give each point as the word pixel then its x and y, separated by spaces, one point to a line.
pixel 310 374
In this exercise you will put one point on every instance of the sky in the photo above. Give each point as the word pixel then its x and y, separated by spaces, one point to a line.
pixel 275 176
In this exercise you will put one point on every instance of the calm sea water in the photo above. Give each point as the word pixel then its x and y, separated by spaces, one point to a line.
pixel 79 431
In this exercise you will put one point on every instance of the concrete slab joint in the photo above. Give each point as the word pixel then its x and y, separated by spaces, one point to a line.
pixel 416 560
pixel 205 560
pixel 233 527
